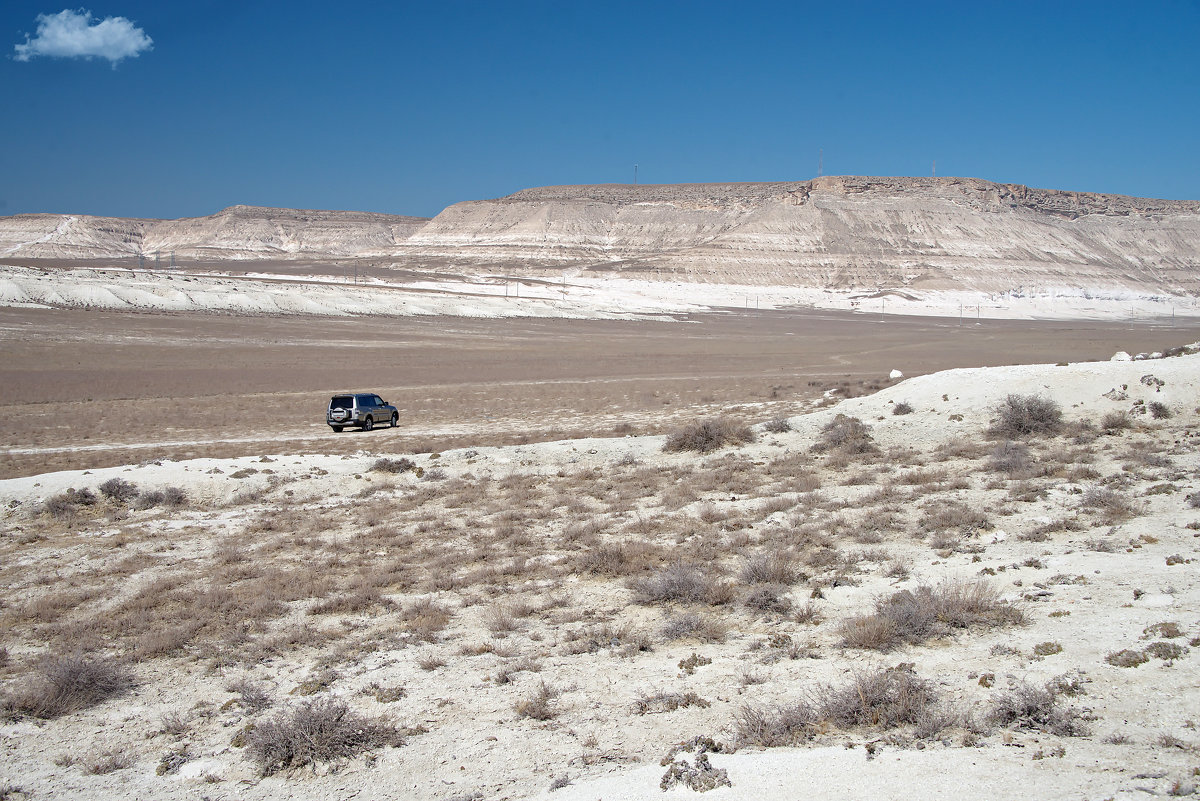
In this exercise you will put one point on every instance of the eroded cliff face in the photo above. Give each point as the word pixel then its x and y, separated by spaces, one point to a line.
pixel 834 231
pixel 831 232
pixel 238 232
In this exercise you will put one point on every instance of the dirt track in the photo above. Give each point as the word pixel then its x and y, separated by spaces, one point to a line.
pixel 135 386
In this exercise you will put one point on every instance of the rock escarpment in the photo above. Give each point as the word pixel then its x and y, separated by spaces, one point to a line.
pixel 936 233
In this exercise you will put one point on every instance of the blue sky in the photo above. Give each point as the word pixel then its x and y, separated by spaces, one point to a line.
pixel 407 107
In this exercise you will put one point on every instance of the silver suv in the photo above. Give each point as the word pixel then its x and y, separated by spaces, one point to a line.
pixel 362 409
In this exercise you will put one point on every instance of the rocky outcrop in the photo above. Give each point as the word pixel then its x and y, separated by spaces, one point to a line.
pixel 238 232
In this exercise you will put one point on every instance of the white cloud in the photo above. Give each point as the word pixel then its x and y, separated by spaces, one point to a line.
pixel 75 34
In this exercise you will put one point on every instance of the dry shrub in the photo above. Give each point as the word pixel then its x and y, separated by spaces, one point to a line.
pixel 64 684
pixel 66 504
pixel 385 465
pixel 252 695
pixel 778 425
pixel 169 497
pixel 847 435
pixel 768 598
pixel 1010 457
pixel 620 559
pixel 681 581
pixel 315 732
pixel 1028 707
pixel 693 625
pixel 118 490
pixel 769 568
pixel 540 705
pixel 1116 421
pixel 914 616
pixel 667 702
pixel 709 435
pixel 1026 415
pixel 903 407
pixel 953 515
pixel 882 699
pixel 1159 410
pixel 1115 506
pixel 424 618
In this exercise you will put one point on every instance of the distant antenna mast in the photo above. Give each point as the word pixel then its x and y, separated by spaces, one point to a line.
pixel 172 260
pixel 934 173
pixel 820 162
pixel 635 174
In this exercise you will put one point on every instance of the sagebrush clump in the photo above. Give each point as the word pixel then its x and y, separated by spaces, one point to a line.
pixel 913 616
pixel 709 435
pixel 69 683
pixel 1026 415
pixel 315 732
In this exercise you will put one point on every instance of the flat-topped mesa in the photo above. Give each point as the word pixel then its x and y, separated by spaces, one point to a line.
pixel 974 192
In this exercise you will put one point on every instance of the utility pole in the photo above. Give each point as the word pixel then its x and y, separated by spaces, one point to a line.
pixel 172 260
pixel 934 171
pixel 635 174
pixel 820 162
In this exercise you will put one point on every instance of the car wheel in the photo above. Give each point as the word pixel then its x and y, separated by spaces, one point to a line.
pixel 368 424
pixel 336 429
pixel 395 419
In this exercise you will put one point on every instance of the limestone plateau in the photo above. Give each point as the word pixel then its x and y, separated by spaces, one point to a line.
pixel 835 231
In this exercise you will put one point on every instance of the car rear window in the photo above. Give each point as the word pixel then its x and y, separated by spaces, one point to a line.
pixel 341 402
